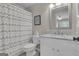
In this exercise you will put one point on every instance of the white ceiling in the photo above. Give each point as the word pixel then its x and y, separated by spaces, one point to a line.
pixel 24 5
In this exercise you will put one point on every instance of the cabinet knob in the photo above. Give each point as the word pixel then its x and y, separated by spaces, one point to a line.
pixel 77 38
pixel 74 38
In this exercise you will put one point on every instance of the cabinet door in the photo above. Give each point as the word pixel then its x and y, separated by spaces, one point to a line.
pixel 77 48
pixel 66 48
pixel 57 47
pixel 48 47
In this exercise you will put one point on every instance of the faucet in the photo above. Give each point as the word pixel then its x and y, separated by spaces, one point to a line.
pixel 59 32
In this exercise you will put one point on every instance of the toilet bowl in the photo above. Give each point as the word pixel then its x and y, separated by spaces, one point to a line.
pixel 30 49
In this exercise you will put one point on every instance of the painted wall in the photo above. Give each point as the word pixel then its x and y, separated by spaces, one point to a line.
pixel 48 19
pixel 43 10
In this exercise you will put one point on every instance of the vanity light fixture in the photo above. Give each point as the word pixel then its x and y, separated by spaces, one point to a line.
pixel 51 5
pixel 78 16
pixel 59 18
pixel 57 4
pixel 54 5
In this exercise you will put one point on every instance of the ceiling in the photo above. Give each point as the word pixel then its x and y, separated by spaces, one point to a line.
pixel 24 5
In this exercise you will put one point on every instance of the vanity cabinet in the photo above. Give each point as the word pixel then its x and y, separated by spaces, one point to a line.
pixel 58 47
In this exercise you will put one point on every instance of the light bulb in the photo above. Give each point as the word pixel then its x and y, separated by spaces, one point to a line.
pixel 77 15
pixel 51 6
pixel 59 17
pixel 57 4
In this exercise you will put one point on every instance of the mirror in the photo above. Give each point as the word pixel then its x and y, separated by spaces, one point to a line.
pixel 64 23
pixel 61 14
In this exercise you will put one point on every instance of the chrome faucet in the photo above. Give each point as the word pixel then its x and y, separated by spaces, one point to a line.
pixel 59 32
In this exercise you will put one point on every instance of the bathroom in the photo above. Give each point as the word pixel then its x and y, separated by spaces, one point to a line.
pixel 39 29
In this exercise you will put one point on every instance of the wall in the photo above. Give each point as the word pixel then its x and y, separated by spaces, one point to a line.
pixel 48 19
pixel 43 10
pixel 15 29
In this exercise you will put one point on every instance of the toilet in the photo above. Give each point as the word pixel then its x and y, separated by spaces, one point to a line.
pixel 30 49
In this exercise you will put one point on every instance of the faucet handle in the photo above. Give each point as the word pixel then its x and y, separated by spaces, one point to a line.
pixel 77 38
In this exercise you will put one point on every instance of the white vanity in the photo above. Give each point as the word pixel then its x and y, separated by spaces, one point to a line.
pixel 58 45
